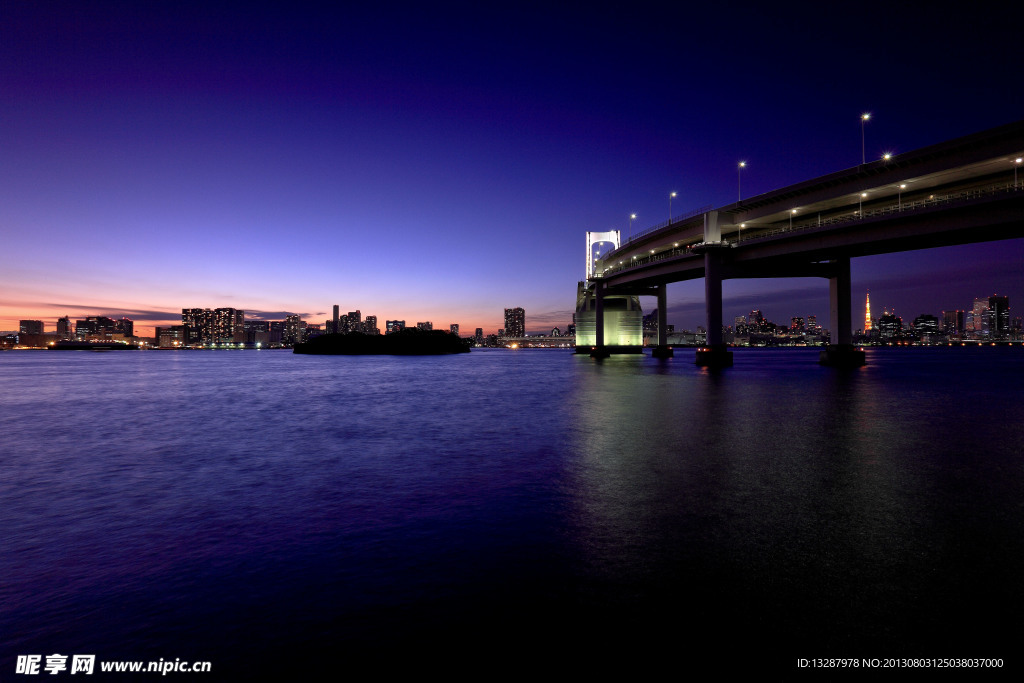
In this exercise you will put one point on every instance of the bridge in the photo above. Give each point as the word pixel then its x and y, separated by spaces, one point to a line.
pixel 969 189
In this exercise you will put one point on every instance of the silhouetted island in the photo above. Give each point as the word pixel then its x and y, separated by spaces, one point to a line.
pixel 408 342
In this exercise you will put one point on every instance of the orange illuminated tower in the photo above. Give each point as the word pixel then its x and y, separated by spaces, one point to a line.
pixel 867 312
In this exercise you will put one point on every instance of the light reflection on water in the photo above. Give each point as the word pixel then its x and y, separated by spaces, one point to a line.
pixel 220 504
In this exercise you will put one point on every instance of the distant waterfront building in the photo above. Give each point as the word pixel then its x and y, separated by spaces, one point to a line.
pixel 454 329
pixel 217 326
pixel 391 326
pixel 952 323
pixel 999 316
pixel 30 327
pixel 257 332
pixel 756 321
pixel 426 327
pixel 64 330
pixel 977 319
pixel 515 322
pixel 926 327
pixel 796 324
pixel 334 320
pixel 170 337
pixel 198 324
pixel 479 336
pixel 370 325
pixel 867 313
pixel 294 330
pixel 125 326
pixel 890 326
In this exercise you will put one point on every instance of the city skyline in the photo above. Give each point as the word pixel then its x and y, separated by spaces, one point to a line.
pixel 277 161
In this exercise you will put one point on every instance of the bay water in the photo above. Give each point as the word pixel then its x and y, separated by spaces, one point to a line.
pixel 269 512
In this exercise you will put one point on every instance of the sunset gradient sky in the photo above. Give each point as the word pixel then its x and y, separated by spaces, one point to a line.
pixel 443 162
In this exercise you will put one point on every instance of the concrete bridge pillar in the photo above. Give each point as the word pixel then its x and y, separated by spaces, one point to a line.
pixel 662 350
pixel 599 350
pixel 715 353
pixel 841 352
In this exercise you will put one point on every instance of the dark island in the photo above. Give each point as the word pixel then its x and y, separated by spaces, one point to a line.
pixel 408 342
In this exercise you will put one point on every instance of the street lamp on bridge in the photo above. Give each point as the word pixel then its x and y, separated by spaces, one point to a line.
pixel 863 119
pixel 670 196
pixel 1016 164
pixel 739 168
pixel 632 217
pixel 899 195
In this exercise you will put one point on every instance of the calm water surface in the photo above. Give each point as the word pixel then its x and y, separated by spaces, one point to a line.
pixel 262 510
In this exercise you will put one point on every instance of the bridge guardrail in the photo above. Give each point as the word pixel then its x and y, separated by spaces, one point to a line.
pixel 664 224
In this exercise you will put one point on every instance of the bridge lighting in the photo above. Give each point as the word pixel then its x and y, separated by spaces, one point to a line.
pixel 887 156
pixel 670 196
pixel 860 204
pixel 863 119
pixel 632 217
pixel 1016 163
pixel 740 236
pixel 899 195
pixel 742 165
pixel 791 212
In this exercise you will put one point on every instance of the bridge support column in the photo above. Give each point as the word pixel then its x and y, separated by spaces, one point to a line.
pixel 715 353
pixel 841 352
pixel 599 350
pixel 662 350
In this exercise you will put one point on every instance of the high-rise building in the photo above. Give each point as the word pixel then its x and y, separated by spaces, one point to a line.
pixel 125 326
pixel 454 329
pixel 391 326
pixel 217 326
pixel 890 326
pixel 64 330
pixel 426 327
pixel 977 319
pixel 30 327
pixel 952 323
pixel 515 322
pixel 926 324
pixel 334 321
pixel 198 324
pixel 479 335
pixel 796 324
pixel 294 330
pixel 370 325
pixel 757 320
pixel 998 316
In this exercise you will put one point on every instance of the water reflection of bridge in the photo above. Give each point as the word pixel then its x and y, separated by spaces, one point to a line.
pixel 966 190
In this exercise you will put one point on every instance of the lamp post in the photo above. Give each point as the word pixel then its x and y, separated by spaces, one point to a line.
pixel 863 119
pixel 899 195
pixel 739 237
pixel 1016 164
pixel 632 217
pixel 670 196
pixel 739 168
pixel 860 205
pixel 792 211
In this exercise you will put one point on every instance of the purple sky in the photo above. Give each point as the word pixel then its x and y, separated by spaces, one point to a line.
pixel 443 163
